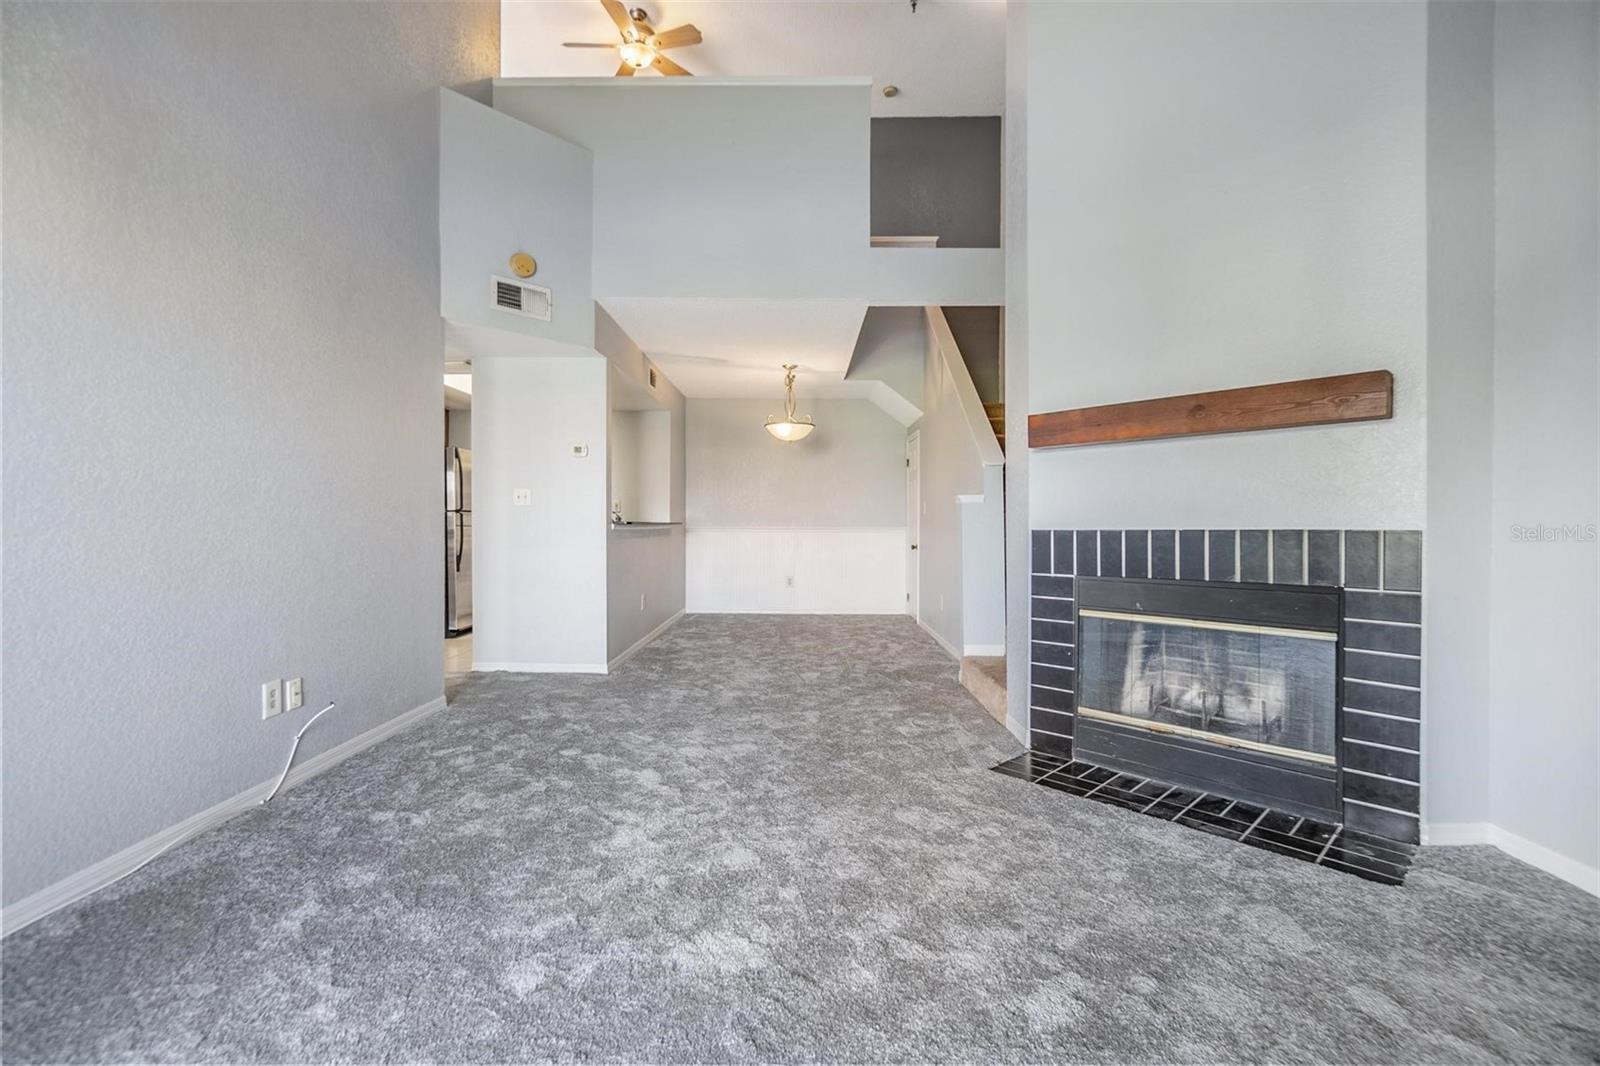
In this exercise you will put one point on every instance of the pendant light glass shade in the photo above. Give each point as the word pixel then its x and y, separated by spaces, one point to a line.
pixel 791 427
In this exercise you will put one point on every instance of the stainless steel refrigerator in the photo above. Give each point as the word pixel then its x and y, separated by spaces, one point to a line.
pixel 457 541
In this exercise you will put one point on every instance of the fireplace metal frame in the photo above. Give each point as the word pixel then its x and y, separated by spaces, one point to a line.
pixel 1287 783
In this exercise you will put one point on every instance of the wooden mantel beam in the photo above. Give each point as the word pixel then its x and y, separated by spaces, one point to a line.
pixel 1361 397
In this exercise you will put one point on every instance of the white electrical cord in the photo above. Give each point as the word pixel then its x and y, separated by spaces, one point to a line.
pixel 186 837
pixel 296 747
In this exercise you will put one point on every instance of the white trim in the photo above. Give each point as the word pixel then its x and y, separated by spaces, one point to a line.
pixel 986 649
pixel 639 644
pixel 1454 834
pixel 882 611
pixel 93 878
pixel 950 649
pixel 539 668
pixel 700 82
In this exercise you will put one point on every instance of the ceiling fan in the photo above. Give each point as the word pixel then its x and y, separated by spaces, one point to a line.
pixel 641 46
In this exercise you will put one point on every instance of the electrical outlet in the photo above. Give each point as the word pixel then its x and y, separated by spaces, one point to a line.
pixel 272 699
pixel 294 694
pixel 788 582
pixel 521 497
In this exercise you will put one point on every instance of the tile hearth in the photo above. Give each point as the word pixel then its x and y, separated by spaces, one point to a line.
pixel 1336 847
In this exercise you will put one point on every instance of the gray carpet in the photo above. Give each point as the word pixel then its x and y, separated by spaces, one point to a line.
pixel 777 839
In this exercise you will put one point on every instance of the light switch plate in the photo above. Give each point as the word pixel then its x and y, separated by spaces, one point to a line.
pixel 521 497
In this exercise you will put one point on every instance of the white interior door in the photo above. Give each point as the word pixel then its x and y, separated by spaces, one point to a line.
pixel 914 525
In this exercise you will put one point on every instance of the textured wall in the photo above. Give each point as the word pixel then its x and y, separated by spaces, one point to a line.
pixel 1227 194
pixel 849 472
pixel 506 187
pixel 222 410
pixel 750 169
pixel 1460 405
pixel 937 177
pixel 1544 637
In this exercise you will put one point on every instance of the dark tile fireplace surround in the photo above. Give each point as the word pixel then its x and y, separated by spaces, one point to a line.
pixel 1349 756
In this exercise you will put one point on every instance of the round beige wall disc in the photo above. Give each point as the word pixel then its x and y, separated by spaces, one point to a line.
pixel 522 265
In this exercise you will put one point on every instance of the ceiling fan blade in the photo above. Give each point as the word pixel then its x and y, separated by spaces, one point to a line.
pixel 619 15
pixel 584 44
pixel 667 66
pixel 624 71
pixel 678 37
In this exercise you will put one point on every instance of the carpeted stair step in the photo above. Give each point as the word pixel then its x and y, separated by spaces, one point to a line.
pixel 985 677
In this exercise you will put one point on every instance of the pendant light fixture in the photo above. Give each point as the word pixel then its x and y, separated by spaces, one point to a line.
pixel 791 427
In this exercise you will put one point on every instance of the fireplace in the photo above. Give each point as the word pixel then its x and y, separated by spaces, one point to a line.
pixel 1228 687
pixel 1257 735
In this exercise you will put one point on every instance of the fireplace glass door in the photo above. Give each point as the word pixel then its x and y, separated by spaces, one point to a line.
pixel 1258 688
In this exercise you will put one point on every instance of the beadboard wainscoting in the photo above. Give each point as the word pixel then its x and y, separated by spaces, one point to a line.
pixel 797 570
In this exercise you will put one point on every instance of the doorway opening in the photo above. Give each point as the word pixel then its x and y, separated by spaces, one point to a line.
pixel 457 525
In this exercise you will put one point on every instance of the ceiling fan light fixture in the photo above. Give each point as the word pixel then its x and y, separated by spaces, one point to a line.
pixel 791 427
pixel 637 54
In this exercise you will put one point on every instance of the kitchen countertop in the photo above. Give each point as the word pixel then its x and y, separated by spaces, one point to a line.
pixel 643 527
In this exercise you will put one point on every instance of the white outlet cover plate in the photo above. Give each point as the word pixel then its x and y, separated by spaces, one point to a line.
pixel 272 699
pixel 294 694
pixel 521 497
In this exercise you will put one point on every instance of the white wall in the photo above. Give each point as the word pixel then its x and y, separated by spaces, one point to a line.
pixel 224 467
pixel 960 546
pixel 1236 197
pixel 498 181
pixel 1015 350
pixel 1544 635
pixel 709 176
pixel 718 174
pixel 891 348
pixel 827 512
pixel 624 456
pixel 539 579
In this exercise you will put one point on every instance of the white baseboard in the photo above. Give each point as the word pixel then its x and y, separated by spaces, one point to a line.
pixel 540 668
pixel 950 649
pixel 639 644
pixel 801 610
pixel 92 878
pixel 988 650
pixel 1573 872
pixel 1455 834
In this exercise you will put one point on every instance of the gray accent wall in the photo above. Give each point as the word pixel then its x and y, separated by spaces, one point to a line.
pixel 937 177
pixel 1544 633
pixel 221 397
pixel 1460 385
